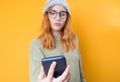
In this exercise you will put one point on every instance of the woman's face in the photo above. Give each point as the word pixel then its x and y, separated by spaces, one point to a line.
pixel 57 16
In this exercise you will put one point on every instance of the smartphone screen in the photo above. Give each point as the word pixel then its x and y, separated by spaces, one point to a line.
pixel 60 67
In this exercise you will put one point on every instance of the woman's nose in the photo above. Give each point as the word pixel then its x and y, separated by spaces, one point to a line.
pixel 58 17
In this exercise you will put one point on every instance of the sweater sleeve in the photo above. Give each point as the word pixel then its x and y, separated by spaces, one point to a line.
pixel 80 61
pixel 35 60
pixel 81 71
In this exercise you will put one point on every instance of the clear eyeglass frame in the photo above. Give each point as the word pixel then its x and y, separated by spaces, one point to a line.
pixel 53 14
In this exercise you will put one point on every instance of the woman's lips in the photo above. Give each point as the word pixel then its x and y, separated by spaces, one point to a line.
pixel 57 24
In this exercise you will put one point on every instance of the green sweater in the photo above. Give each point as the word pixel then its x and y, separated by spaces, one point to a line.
pixel 73 59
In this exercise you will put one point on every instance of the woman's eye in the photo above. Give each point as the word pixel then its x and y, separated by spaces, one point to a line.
pixel 52 13
pixel 63 14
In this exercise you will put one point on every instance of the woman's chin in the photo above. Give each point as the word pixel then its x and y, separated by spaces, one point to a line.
pixel 57 28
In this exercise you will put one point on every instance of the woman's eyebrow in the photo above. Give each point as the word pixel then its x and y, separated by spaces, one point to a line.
pixel 59 11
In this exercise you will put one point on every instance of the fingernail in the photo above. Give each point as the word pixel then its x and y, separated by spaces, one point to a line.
pixel 54 62
pixel 41 67
pixel 68 66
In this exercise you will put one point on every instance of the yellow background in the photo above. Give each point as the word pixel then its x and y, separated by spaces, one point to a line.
pixel 97 23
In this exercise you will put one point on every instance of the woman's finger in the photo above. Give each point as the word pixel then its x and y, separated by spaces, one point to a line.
pixel 42 73
pixel 65 73
pixel 51 71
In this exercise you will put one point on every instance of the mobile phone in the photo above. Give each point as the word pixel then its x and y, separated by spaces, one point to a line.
pixel 60 67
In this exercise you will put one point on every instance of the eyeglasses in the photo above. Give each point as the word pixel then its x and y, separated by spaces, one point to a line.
pixel 53 14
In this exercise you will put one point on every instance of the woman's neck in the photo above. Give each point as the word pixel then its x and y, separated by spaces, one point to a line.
pixel 57 33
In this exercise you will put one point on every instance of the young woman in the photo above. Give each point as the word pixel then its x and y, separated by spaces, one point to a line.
pixel 56 39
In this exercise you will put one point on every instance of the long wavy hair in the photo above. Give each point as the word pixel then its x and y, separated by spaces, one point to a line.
pixel 47 39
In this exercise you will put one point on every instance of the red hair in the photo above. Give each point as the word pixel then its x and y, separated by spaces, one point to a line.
pixel 67 39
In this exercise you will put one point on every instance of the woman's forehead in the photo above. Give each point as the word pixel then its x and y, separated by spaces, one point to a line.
pixel 58 8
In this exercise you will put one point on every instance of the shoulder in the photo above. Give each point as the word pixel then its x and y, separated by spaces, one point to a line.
pixel 75 37
pixel 35 42
pixel 76 40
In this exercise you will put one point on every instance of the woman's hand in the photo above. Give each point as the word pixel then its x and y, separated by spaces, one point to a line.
pixel 65 77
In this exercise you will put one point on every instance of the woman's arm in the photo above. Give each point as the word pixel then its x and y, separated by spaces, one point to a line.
pixel 35 60
pixel 81 71
pixel 35 63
